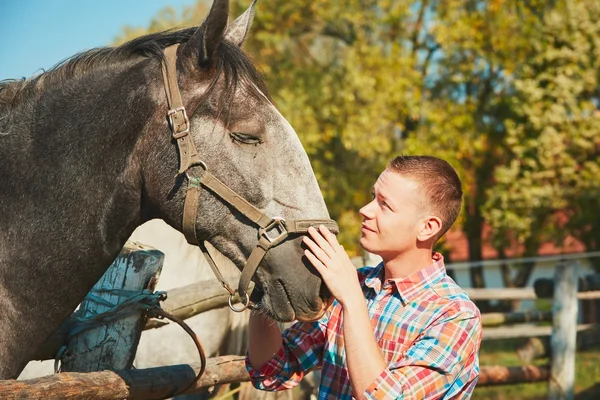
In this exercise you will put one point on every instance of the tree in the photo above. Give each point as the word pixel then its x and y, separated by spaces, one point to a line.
pixel 549 186
pixel 468 99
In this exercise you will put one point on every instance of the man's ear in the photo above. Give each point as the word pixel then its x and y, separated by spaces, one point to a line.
pixel 431 227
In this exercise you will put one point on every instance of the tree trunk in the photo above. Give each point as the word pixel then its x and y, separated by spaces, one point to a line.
pixel 474 232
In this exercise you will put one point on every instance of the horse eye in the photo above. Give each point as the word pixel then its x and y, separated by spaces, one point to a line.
pixel 245 138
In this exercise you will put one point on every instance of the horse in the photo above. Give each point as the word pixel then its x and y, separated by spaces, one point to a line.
pixel 108 140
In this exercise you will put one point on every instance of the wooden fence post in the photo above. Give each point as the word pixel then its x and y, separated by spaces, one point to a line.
pixel 564 333
pixel 112 345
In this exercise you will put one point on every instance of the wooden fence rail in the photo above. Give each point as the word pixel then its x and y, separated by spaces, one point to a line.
pixel 135 384
pixel 539 346
pixel 498 319
pixel 520 294
pixel 164 382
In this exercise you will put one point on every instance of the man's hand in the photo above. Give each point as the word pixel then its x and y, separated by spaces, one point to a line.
pixel 331 260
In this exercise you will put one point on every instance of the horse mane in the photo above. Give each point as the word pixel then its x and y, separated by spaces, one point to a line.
pixel 231 63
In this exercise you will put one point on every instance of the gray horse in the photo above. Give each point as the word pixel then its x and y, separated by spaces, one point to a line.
pixel 86 156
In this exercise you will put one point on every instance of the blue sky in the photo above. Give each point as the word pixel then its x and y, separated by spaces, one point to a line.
pixel 40 33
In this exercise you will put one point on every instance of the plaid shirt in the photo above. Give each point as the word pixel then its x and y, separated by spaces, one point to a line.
pixel 428 330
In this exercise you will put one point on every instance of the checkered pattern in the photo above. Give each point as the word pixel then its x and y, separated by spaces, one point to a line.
pixel 425 325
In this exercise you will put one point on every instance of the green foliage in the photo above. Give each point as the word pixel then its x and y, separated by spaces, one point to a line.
pixel 549 185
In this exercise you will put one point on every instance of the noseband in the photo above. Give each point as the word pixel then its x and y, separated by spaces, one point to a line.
pixel 271 230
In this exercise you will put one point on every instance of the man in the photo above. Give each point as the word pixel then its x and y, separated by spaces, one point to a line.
pixel 400 330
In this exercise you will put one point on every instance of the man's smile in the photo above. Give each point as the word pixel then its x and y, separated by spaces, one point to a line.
pixel 366 228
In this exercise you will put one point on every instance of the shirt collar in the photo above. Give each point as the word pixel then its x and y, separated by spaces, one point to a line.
pixel 412 285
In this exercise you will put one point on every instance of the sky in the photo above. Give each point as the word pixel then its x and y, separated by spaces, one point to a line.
pixel 38 34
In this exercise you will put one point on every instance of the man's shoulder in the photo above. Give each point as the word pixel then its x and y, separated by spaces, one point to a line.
pixel 449 292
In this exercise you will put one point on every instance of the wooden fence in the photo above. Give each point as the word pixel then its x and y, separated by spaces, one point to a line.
pixel 565 336
pixel 559 340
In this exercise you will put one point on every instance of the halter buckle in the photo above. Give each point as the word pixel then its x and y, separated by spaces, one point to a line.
pixel 277 225
pixel 178 133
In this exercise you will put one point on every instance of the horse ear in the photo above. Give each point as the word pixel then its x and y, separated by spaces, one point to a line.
pixel 238 30
pixel 208 36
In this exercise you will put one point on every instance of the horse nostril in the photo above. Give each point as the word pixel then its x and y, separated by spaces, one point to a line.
pixel 257 294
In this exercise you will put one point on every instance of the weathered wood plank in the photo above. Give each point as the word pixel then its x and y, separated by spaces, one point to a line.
pixel 538 347
pixel 112 345
pixel 163 382
pixel 136 384
pixel 564 334
pixel 594 295
pixel 501 294
pixel 544 287
pixel 520 294
pixel 499 319
pixel 522 331
pixel 186 301
pixel 500 375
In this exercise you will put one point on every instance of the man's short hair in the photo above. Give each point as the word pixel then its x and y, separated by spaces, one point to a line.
pixel 439 182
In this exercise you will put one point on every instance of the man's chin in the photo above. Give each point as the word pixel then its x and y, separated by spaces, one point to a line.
pixel 364 243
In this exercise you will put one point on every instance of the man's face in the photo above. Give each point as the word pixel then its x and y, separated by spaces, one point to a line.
pixel 394 218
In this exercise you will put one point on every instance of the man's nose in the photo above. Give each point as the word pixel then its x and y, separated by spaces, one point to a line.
pixel 367 210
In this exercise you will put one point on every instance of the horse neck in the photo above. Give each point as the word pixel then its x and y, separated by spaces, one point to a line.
pixel 71 196
pixel 71 180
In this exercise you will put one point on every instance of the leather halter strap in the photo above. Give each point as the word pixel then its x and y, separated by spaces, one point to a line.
pixel 177 115
pixel 271 231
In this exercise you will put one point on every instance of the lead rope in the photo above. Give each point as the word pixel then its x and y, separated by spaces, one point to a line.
pixel 160 314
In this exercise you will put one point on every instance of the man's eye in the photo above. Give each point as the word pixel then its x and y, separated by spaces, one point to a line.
pixel 245 138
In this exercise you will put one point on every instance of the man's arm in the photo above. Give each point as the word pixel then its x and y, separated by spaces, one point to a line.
pixel 264 340
pixel 278 361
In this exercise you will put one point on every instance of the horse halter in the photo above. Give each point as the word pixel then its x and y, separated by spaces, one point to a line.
pixel 271 231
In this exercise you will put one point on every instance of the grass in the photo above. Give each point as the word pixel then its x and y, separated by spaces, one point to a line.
pixel 503 352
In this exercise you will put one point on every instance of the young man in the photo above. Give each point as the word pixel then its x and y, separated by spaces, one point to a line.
pixel 400 330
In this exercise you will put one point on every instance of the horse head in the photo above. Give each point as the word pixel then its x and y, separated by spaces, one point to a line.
pixel 240 140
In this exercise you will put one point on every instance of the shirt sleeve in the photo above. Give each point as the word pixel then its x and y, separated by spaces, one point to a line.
pixel 442 362
pixel 301 352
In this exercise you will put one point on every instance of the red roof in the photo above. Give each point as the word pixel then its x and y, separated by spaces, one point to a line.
pixel 456 241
